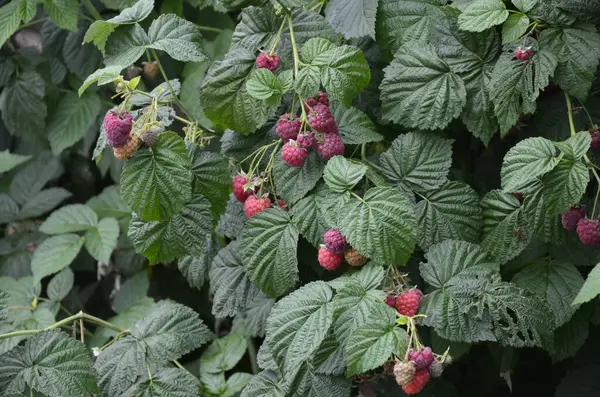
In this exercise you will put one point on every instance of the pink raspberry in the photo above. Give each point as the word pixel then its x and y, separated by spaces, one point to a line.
pixel 293 154
pixel 270 62
pixel 329 260
pixel 254 205
pixel 589 231
pixel 335 241
pixel 117 125
pixel 421 359
pixel 572 216
pixel 288 126
pixel 320 119
pixel 596 139
pixel 523 54
pixel 332 145
pixel 407 303
pixel 307 139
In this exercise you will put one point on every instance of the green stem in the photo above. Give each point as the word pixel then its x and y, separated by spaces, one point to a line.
pixel 570 114
pixel 178 364
pixel 252 355
pixel 186 121
pixel 92 10
pixel 363 152
pixel 209 29
pixel 358 197
pixel 32 23
pixel 278 36
pixel 595 200
pixel 294 47
pixel 164 75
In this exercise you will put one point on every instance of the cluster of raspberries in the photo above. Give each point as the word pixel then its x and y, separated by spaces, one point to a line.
pixel 118 126
pixel 335 249
pixel 414 373
pixel 245 192
pixel 407 303
pixel 587 229
pixel 323 134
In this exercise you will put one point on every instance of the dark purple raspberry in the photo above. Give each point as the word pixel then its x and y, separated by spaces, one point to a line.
pixel 288 126
pixel 332 146
pixel 307 139
pixel 335 241
pixel 421 359
pixel 320 119
pixel 117 125
pixel 596 139
pixel 572 216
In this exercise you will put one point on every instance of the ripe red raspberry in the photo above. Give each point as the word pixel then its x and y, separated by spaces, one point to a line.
pixel 238 187
pixel 320 119
pixel 523 54
pixel 293 154
pixel 125 152
pixel 270 62
pixel 418 383
pixel 335 241
pixel 332 146
pixel 288 126
pixel 117 125
pixel 354 258
pixel 309 103
pixel 307 139
pixel 407 302
pixel 323 98
pixel 421 359
pixel 595 139
pixel 572 216
pixel 253 205
pixel 404 372
pixel 436 369
pixel 390 300
pixel 589 231
pixel 329 260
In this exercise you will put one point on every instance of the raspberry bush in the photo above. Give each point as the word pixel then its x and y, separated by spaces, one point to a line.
pixel 293 198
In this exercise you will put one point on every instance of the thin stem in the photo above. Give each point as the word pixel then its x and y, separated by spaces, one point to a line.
pixel 178 364
pixel 92 10
pixel 358 197
pixel 363 152
pixel 32 23
pixel 294 47
pixel 252 355
pixel 595 200
pixel 81 331
pixel 278 36
pixel 209 29
pixel 186 121
pixel 164 75
pixel 570 114
pixel 149 372
pixel 588 114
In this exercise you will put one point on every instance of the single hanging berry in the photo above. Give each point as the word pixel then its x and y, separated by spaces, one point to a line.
pixel 320 119
pixel 117 125
pixel 418 382
pixel 238 187
pixel 523 54
pixel 150 136
pixel 270 62
pixel 335 241
pixel 329 260
pixel 436 369
pixel 572 216
pixel 421 359
pixel 307 139
pixel 288 126
pixel 588 231
pixel 595 139
pixel 125 152
pixel 404 372
pixel 407 303
pixel 293 154
pixel 332 146
pixel 254 205
pixel 354 258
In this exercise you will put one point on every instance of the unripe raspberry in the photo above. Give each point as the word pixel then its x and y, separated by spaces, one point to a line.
pixel 354 258
pixel 150 136
pixel 596 139
pixel 125 152
pixel 150 69
pixel 254 205
pixel 329 260
pixel 421 359
pixel 239 181
pixel 418 382
pixel 307 139
pixel 288 126
pixel 407 303
pixel 332 146
pixel 335 241
pixel 293 154
pixel 270 62
pixel 436 369
pixel 589 231
pixel 572 216
pixel 523 54
pixel 404 372
pixel 117 125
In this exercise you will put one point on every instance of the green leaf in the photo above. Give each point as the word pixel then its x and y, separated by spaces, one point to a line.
pixel 265 384
pixel 307 216
pixel 156 181
pixel 28 182
pixel 417 161
pixel 71 120
pixel 136 13
pixel 293 183
pixel 555 283
pixel 524 5
pixel 229 282
pixel 22 104
pixel 126 45
pixel 8 209
pixel 169 382
pixel 308 81
pixel 515 26
pixel 571 337
pixel 9 160
pixel 50 362
pixel 60 285
pixel 591 287
pixel 81 59
pixel 43 202
pixel 102 76
pixel 451 212
pixel 119 365
pixel 126 319
pixel 184 234
pixel 133 290
pixel 109 203
pixel 211 177
pixel 381 226
pixel 527 161
pixel 102 239
pixel 21 291
pixel 564 186
pixel 371 345
pixel 344 70
pixel 63 13
pixel 11 15
pixel 264 85
pixel 224 96
pixel 223 354
pixel 482 15
pixel 252 321
pixel 54 254
pixel 70 218
pixel 506 231
pixel 576 146
pixel 195 269
pixel 354 126
pixel 177 37
pixel 453 269
pixel 98 33
pixel 269 244
pixel 235 383
pixel 420 90
pixel 355 18
pixel 170 331
pixel 298 324
pixel 478 114
pixel 342 174
pixel 578 53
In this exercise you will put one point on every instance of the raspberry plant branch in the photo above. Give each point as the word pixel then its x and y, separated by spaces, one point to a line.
pixel 278 37
pixel 92 10
pixel 295 51
pixel 208 28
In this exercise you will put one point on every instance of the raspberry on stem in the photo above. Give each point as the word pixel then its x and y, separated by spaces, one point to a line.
pixel 407 303
pixel 354 258
pixel 404 372
pixel 117 125
pixel 588 231
pixel 288 126
pixel 329 260
pixel 270 62
pixel 570 218
pixel 254 205
pixel 239 181
pixel 335 241
pixel 293 154
pixel 418 382
pixel 125 152
pixel 332 146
